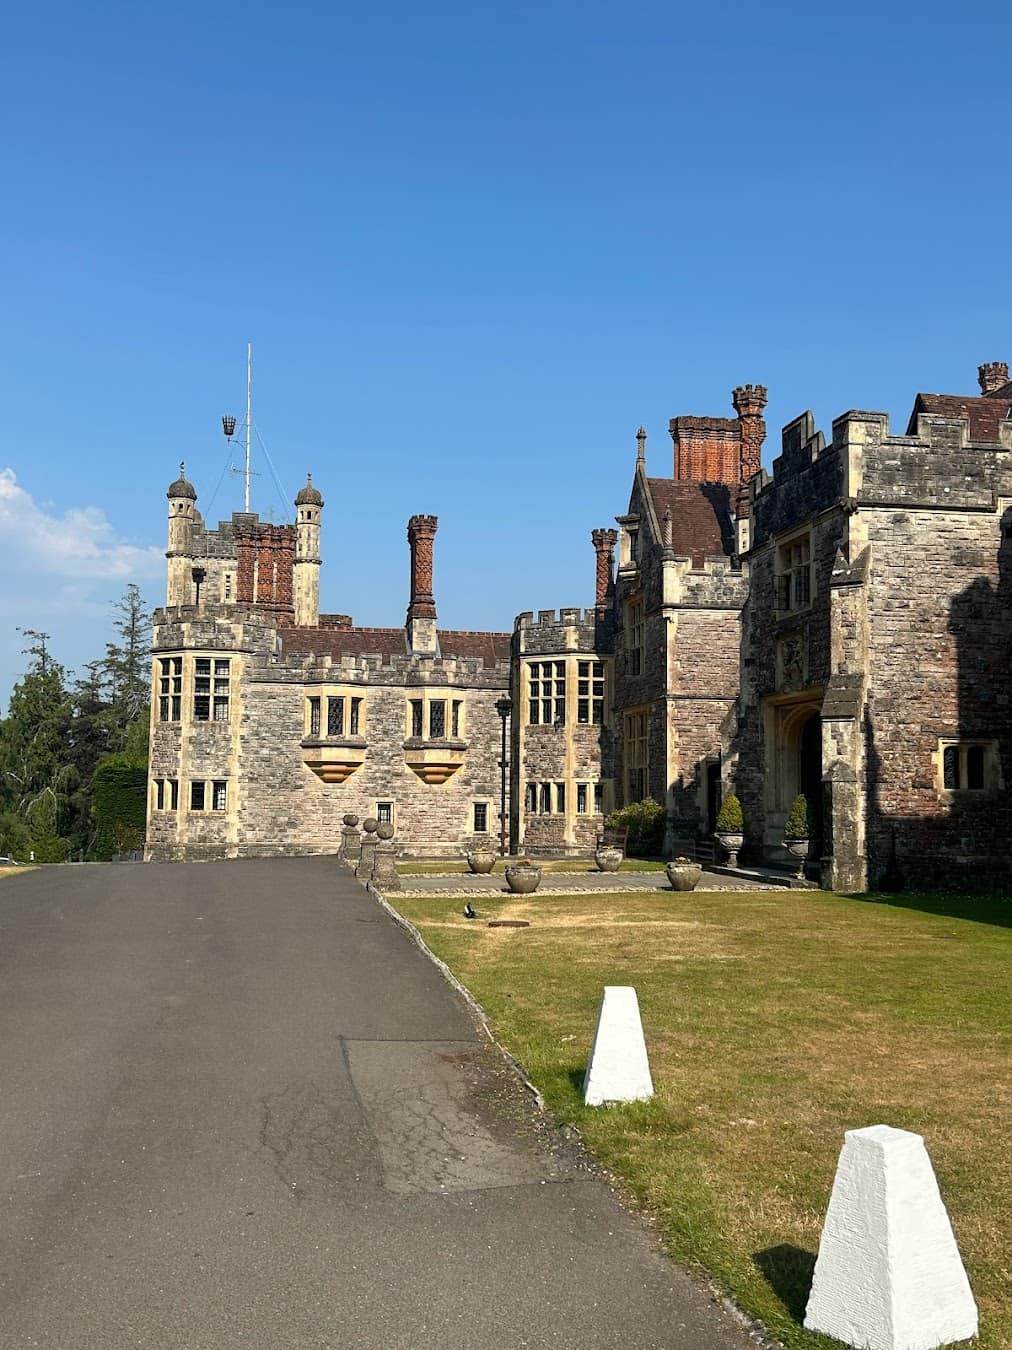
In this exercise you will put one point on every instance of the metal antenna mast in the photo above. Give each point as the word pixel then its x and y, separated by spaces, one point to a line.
pixel 249 420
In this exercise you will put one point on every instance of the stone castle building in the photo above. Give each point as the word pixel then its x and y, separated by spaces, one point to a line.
pixel 840 627
pixel 271 720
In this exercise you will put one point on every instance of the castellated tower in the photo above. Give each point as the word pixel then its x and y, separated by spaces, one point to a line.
pixel 306 578
pixel 182 509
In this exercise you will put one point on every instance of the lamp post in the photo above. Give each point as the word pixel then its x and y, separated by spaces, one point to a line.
pixel 503 707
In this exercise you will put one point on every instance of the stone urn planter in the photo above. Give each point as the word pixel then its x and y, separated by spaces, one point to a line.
pixel 731 843
pixel 481 860
pixel 608 858
pixel 797 832
pixel 799 848
pixel 523 878
pixel 683 874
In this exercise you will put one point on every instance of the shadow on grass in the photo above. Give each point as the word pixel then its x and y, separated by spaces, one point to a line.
pixel 992 909
pixel 788 1271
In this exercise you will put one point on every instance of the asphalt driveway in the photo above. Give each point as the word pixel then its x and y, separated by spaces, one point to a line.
pixel 238 1108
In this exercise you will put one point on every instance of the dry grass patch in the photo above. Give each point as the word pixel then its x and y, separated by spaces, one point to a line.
pixel 775 1022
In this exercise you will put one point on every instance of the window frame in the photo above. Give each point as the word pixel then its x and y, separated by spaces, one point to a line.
pixel 547 684
pixel 962 750
pixel 635 635
pixel 434 714
pixel 794 576
pixel 636 756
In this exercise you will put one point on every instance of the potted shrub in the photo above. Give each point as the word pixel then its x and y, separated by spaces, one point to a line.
pixel 523 876
pixel 481 858
pixel 797 832
pixel 683 874
pixel 730 828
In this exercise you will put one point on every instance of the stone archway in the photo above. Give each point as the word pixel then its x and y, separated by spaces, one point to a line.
pixel 793 759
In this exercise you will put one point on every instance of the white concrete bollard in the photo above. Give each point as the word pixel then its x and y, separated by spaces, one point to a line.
pixel 889 1274
pixel 618 1069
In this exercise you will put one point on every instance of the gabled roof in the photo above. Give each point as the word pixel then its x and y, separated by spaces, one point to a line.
pixel 983 413
pixel 390 642
pixel 700 517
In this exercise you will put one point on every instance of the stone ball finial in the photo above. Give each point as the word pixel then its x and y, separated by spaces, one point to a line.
pixel 350 819
pixel 384 830
pixel 370 825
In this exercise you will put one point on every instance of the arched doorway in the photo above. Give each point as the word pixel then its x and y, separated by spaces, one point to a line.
pixel 810 774
pixel 793 759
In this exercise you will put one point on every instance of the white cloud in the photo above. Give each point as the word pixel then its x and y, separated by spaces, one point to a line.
pixel 79 543
pixel 62 573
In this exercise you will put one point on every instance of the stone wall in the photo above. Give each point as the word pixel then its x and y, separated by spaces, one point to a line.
pixel 275 802
pixel 568 754
pixel 904 648
pixel 688 677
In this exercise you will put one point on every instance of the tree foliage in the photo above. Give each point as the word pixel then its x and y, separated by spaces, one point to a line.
pixel 798 823
pixel 645 822
pixel 119 801
pixel 730 819
pixel 56 732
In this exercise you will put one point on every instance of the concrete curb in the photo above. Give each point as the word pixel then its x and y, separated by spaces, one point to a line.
pixel 756 1331
pixel 477 1011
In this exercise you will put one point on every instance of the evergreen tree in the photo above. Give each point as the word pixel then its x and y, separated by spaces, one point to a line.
pixel 53 738
pixel 125 670
pixel 35 777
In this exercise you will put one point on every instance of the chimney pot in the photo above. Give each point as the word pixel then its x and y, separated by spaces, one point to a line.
pixel 749 400
pixel 993 375
pixel 604 542
pixel 421 533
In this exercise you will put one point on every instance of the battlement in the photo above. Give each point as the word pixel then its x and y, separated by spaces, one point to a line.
pixel 383 669
pixel 210 612
pixel 551 618
pixel 717 564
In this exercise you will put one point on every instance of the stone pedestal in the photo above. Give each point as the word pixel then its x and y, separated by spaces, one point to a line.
pixel 367 851
pixel 889 1275
pixel 619 1070
pixel 351 840
pixel 384 871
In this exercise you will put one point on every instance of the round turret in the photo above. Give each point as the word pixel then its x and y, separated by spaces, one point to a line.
pixel 181 488
pixel 309 496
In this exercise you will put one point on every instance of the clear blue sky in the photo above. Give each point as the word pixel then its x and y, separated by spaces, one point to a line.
pixel 473 246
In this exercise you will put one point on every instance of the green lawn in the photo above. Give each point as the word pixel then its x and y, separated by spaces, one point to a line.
pixel 775 1021
pixel 453 866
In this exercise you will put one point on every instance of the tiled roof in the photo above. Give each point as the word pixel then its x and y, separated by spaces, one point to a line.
pixel 390 642
pixel 984 414
pixel 700 517
pixel 490 647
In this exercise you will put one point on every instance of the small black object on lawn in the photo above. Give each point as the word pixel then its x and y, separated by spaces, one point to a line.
pixel 469 911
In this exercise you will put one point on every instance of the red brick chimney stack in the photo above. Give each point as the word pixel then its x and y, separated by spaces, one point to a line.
pixel 604 542
pixel 992 375
pixel 749 401
pixel 421 533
